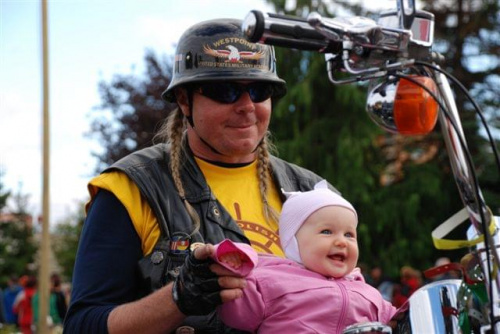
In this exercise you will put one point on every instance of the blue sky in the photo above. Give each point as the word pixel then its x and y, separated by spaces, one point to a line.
pixel 89 41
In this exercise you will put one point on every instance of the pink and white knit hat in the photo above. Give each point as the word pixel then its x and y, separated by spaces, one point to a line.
pixel 298 207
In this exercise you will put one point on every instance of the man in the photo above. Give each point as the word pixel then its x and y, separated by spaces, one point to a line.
pixel 9 296
pixel 214 179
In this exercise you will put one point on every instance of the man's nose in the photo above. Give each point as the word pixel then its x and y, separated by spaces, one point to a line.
pixel 245 103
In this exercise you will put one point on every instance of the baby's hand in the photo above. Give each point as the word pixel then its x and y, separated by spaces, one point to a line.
pixel 232 259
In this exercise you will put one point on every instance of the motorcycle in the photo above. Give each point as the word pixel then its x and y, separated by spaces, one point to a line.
pixel 408 93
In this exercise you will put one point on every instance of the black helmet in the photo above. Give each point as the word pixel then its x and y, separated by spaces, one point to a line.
pixel 217 50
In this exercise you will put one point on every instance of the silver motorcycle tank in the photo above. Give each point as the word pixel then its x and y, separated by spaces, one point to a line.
pixel 431 310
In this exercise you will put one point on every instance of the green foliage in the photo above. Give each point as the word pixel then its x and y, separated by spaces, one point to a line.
pixel 402 216
pixel 468 34
pixel 325 128
pixel 4 195
pixel 65 242
pixel 17 247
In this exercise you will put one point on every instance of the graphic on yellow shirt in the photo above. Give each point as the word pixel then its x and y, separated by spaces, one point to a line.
pixel 237 189
pixel 263 239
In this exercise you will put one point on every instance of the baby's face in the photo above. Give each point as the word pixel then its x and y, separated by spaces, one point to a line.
pixel 328 242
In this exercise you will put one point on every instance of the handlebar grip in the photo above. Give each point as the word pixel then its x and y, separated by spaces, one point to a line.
pixel 286 31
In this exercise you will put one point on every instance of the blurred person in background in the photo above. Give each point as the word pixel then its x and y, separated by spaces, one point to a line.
pixel 23 304
pixel 410 281
pixel 449 274
pixel 9 296
pixel 57 294
pixel 382 283
pixel 57 305
pixel 2 311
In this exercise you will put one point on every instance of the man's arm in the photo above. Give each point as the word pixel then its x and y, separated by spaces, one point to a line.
pixel 105 281
pixel 156 313
pixel 105 270
pixel 144 320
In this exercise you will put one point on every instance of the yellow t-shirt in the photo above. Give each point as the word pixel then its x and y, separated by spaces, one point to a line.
pixel 243 204
pixel 237 189
pixel 140 212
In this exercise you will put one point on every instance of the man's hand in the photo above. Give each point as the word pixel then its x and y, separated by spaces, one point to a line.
pixel 202 285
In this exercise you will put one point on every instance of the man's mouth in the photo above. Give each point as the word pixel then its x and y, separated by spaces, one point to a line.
pixel 241 126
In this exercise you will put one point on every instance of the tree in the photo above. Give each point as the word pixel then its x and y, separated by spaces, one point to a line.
pixel 468 33
pixel 4 195
pixel 131 111
pixel 401 186
pixel 66 236
pixel 17 247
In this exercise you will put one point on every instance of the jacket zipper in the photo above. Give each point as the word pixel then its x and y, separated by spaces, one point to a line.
pixel 343 310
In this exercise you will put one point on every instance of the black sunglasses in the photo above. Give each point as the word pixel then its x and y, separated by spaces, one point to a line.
pixel 230 92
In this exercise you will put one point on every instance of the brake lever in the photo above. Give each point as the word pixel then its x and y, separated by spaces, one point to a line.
pixel 364 33
pixel 361 30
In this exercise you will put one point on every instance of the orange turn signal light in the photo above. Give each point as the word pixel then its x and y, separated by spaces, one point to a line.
pixel 415 110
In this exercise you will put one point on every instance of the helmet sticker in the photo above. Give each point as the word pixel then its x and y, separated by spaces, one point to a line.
pixel 226 50
pixel 232 54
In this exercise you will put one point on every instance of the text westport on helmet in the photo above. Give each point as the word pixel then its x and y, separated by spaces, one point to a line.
pixel 216 50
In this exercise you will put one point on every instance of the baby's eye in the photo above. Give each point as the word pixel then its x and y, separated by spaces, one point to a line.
pixel 326 232
pixel 350 235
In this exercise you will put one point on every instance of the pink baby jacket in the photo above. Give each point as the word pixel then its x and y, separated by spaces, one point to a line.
pixel 282 296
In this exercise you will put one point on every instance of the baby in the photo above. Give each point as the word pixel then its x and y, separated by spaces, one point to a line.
pixel 317 288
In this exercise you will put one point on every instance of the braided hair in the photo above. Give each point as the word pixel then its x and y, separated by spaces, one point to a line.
pixel 172 132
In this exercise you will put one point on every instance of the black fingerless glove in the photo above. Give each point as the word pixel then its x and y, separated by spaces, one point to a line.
pixel 196 290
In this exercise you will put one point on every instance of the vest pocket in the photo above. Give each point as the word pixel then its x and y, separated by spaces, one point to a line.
pixel 158 268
